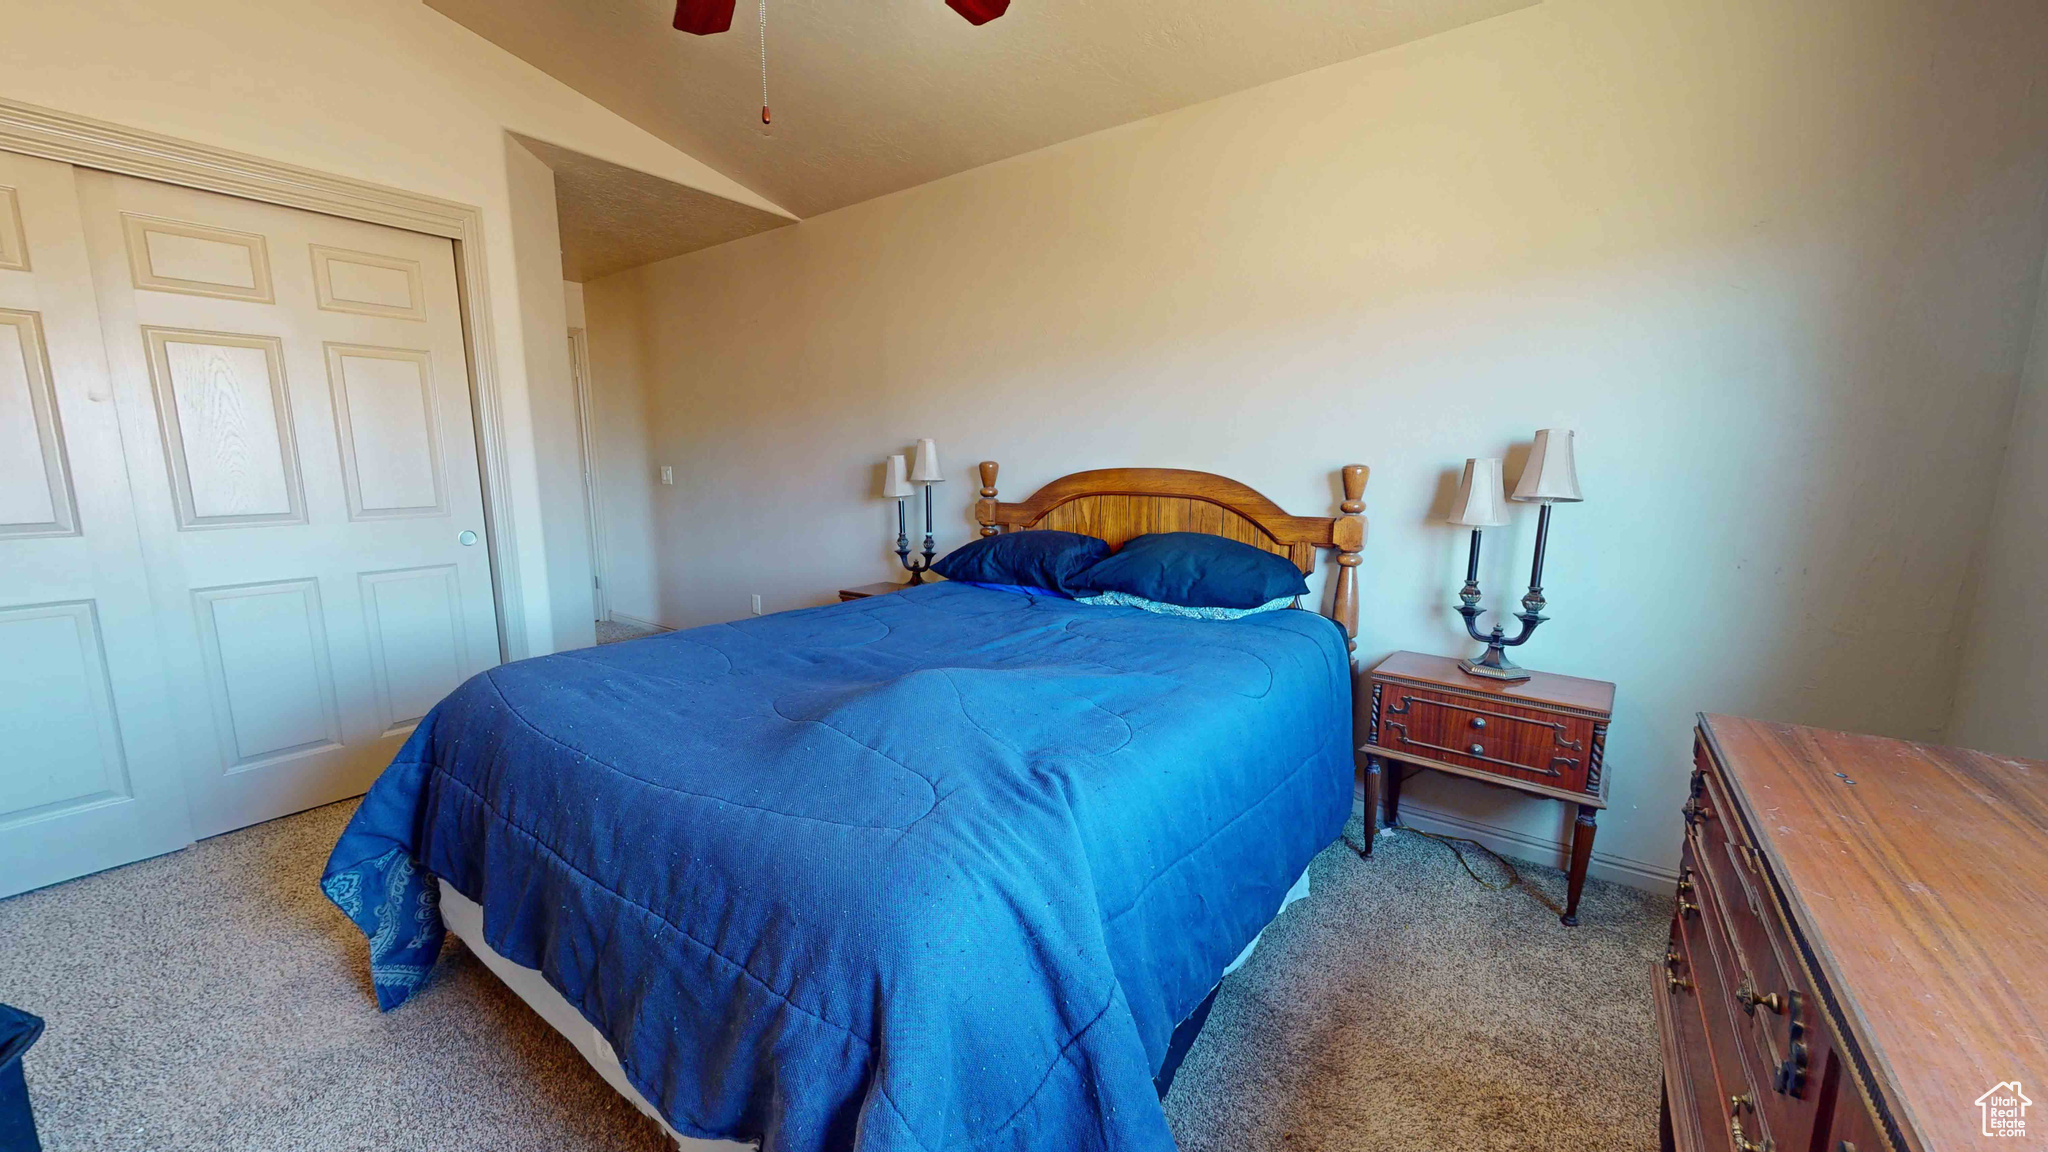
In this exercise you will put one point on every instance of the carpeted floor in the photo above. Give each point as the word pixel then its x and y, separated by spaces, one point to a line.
pixel 211 999
pixel 613 631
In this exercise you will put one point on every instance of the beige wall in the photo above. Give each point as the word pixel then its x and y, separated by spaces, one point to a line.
pixel 621 380
pixel 551 391
pixel 381 90
pixel 2002 696
pixel 1775 262
pixel 572 300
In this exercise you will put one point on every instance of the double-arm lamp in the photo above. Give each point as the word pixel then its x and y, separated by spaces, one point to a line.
pixel 1550 477
pixel 896 485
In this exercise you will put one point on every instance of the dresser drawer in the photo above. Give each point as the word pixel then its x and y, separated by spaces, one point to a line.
pixel 1738 1068
pixel 1485 735
pixel 1776 1021
pixel 1772 1109
pixel 1853 1128
pixel 1754 924
pixel 1692 1090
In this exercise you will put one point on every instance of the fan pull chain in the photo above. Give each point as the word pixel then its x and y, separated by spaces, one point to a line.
pixel 764 61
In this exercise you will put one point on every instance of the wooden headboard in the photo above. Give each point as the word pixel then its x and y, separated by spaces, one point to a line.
pixel 1116 504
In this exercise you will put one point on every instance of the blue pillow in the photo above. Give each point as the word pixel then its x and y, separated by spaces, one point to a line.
pixel 1037 559
pixel 1195 570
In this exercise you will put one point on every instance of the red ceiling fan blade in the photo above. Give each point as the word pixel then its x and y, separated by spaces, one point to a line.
pixel 704 17
pixel 978 12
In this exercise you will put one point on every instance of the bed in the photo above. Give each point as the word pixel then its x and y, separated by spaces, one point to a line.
pixel 949 868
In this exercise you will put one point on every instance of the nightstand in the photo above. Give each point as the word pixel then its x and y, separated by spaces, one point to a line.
pixel 878 588
pixel 1545 735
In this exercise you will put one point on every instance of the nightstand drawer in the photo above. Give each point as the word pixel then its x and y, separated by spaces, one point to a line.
pixel 1505 740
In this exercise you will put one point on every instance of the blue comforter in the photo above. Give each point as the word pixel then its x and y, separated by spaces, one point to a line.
pixel 934 870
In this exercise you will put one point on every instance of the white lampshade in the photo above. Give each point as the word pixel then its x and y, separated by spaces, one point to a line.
pixel 895 481
pixel 926 470
pixel 1551 476
pixel 1481 499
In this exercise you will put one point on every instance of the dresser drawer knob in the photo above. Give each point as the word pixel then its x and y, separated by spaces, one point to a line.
pixel 1751 999
pixel 1479 721
pixel 1688 908
pixel 1478 749
pixel 1672 980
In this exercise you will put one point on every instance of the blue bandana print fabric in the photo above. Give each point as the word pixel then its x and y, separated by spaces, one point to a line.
pixel 398 908
pixel 934 870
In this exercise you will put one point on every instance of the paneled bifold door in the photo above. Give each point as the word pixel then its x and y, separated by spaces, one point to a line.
pixel 237 474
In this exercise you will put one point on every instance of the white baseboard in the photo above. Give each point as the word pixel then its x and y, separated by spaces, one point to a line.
pixel 1635 873
pixel 635 621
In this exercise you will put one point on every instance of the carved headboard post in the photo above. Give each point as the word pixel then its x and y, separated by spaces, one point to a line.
pixel 1348 535
pixel 985 508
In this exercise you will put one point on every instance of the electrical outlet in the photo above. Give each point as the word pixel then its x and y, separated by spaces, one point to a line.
pixel 757 603
pixel 668 474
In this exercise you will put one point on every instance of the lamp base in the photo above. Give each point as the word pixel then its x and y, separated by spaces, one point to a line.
pixel 1494 665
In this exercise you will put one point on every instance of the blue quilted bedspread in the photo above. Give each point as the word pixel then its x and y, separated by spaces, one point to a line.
pixel 934 870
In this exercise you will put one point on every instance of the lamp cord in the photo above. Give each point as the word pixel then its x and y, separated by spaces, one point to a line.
pixel 1452 842
pixel 1514 879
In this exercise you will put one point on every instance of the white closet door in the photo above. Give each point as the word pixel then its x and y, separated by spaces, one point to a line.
pixel 295 399
pixel 88 752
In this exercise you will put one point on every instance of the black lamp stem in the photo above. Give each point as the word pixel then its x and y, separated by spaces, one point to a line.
pixel 1534 600
pixel 1494 663
pixel 916 571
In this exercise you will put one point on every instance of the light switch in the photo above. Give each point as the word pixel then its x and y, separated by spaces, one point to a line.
pixel 668 474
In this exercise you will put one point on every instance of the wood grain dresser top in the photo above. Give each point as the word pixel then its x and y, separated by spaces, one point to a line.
pixel 1922 890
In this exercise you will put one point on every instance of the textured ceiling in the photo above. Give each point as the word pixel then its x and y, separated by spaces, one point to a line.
pixel 614 218
pixel 880 95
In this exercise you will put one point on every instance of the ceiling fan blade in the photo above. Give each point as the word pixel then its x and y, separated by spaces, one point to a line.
pixel 705 17
pixel 978 12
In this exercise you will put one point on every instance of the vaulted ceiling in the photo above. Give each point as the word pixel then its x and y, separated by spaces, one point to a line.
pixel 872 96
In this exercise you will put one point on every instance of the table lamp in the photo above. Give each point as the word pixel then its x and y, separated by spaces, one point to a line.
pixel 1550 477
pixel 896 485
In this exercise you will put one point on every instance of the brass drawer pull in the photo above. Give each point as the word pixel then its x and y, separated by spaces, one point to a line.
pixel 1672 979
pixel 1751 999
pixel 1740 1142
pixel 1688 908
pixel 1743 1143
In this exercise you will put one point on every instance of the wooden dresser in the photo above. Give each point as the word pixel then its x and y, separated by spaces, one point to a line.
pixel 1859 958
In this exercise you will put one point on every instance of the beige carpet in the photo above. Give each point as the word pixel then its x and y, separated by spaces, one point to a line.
pixel 212 1000
pixel 613 631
